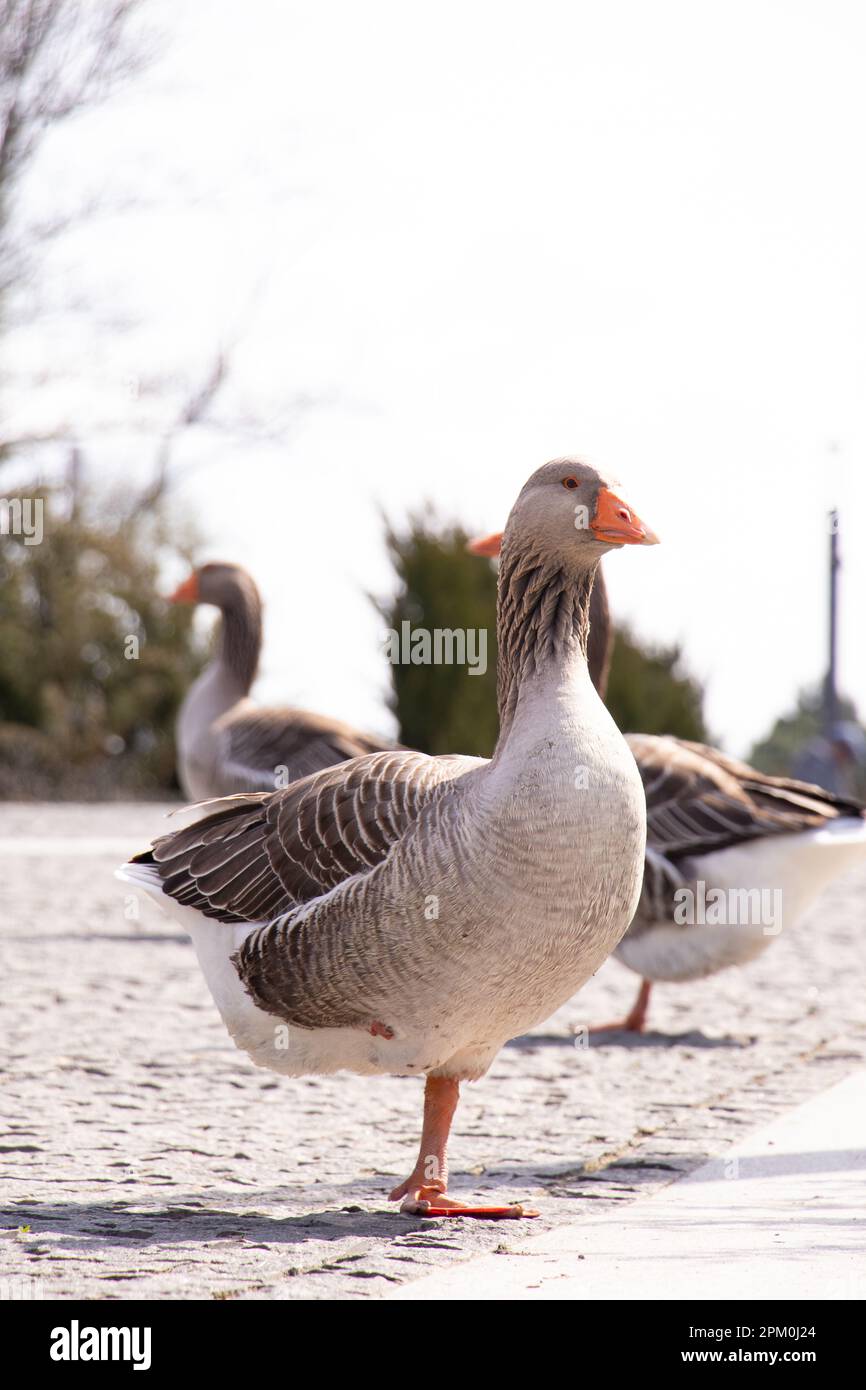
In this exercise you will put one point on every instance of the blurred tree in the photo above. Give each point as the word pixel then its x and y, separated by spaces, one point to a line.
pixel 442 709
pixel 779 752
pixel 648 692
pixel 93 662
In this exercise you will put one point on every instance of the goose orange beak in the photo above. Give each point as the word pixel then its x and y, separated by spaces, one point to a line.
pixel 187 592
pixel 486 545
pixel 616 523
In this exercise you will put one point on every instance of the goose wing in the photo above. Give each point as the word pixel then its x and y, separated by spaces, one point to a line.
pixel 256 855
pixel 316 962
pixel 699 800
pixel 262 749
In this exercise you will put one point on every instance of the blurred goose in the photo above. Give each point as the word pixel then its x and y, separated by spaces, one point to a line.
pixel 723 841
pixel 409 914
pixel 733 857
pixel 226 743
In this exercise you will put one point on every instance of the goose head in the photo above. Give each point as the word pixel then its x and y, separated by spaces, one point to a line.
pixel 230 589
pixel 571 513
pixel 226 586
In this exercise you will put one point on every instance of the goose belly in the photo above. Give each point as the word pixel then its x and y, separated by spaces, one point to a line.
pixel 512 967
pixel 572 872
pixel 525 924
pixel 549 944
pixel 292 1051
pixel 670 952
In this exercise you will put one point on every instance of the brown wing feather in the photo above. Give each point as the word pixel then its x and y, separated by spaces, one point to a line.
pixel 698 800
pixel 257 856
pixel 258 743
pixel 220 864
pixel 268 858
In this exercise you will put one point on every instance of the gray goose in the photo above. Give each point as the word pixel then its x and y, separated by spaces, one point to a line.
pixel 734 856
pixel 722 838
pixel 226 742
pixel 409 914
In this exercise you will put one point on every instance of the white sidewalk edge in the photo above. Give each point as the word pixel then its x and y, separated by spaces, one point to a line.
pixel 782 1214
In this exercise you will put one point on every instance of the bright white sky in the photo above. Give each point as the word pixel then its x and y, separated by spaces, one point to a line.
pixel 476 236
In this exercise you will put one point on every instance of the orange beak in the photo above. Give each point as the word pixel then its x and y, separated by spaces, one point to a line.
pixel 617 523
pixel 486 545
pixel 187 592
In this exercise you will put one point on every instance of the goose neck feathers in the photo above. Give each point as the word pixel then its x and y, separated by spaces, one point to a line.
pixel 543 619
pixel 240 640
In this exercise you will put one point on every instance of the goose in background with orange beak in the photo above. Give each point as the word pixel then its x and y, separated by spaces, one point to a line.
pixel 226 742
pixel 310 907
pixel 716 826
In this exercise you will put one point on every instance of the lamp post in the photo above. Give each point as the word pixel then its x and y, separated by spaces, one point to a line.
pixel 831 701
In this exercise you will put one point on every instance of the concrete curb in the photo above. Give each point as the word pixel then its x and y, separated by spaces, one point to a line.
pixel 781 1215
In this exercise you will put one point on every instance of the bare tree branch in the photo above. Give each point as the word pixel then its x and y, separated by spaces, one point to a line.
pixel 56 57
pixel 193 411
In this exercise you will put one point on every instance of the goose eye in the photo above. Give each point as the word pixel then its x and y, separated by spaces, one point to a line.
pixel 570 483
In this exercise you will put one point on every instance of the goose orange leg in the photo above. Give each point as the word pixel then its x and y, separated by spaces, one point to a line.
pixel 423 1193
pixel 635 1020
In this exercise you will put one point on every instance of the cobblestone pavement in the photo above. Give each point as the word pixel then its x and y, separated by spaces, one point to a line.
pixel 141 1155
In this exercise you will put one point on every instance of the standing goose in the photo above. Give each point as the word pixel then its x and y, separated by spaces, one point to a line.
pixel 409 914
pixel 226 743
pixel 721 838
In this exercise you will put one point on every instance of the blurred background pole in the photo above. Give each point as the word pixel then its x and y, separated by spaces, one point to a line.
pixel 830 696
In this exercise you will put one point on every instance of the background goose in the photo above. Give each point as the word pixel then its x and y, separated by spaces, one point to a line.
pixel 225 742
pixel 733 857
pixel 722 839
pixel 409 914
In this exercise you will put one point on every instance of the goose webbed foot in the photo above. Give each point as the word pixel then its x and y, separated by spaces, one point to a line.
pixel 432 1200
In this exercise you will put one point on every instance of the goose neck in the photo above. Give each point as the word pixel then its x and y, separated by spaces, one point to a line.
pixel 241 637
pixel 543 625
